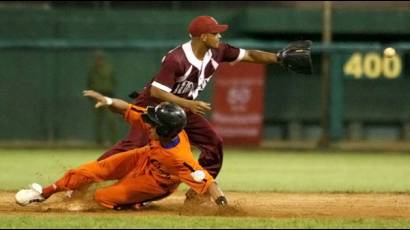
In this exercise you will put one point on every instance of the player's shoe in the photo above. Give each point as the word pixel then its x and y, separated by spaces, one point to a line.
pixel 145 204
pixel 135 206
pixel 30 195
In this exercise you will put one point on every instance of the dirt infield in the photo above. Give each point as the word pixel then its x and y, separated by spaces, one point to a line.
pixel 344 205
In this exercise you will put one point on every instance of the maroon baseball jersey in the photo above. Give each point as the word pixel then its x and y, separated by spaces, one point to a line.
pixel 184 75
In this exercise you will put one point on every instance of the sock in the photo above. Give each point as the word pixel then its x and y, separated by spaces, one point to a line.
pixel 49 190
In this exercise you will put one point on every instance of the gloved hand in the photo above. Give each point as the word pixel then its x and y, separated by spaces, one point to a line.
pixel 297 57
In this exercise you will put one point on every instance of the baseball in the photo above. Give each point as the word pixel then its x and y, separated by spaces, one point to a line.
pixel 389 52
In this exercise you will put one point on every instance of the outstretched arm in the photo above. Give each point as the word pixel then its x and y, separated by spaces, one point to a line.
pixel 296 57
pixel 115 105
pixel 260 57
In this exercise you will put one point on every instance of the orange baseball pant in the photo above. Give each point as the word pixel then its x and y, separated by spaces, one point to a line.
pixel 134 186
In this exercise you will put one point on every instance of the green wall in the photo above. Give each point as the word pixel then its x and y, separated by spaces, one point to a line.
pixel 299 21
pixel 45 54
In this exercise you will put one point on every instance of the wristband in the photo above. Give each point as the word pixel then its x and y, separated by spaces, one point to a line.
pixel 108 100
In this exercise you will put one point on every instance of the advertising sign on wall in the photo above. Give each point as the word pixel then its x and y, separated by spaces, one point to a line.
pixel 238 103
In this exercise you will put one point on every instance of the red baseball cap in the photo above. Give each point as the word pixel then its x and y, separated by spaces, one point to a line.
pixel 205 24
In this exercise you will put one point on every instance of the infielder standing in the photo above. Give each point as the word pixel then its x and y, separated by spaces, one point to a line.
pixel 185 71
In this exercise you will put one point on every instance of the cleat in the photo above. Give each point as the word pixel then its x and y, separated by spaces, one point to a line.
pixel 30 195
pixel 139 206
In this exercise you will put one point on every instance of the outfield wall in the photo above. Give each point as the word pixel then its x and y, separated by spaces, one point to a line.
pixel 45 55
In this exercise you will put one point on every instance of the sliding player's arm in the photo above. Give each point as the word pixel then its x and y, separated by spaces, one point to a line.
pixel 116 105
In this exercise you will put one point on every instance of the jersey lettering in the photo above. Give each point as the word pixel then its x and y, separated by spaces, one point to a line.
pixel 184 87
pixel 183 74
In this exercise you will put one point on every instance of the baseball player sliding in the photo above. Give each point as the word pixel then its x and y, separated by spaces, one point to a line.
pixel 144 174
pixel 186 70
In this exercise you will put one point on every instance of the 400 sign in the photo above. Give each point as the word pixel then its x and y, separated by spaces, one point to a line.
pixel 372 65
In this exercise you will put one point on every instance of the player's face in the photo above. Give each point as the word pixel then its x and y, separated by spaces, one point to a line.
pixel 212 40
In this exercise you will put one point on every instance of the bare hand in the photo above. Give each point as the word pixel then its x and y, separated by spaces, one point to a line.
pixel 101 101
pixel 199 107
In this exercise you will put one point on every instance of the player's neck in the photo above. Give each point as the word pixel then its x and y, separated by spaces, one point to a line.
pixel 199 49
pixel 169 142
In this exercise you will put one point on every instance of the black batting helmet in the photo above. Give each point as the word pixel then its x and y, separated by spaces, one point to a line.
pixel 168 118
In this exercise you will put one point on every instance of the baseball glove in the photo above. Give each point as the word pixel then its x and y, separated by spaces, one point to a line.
pixel 296 57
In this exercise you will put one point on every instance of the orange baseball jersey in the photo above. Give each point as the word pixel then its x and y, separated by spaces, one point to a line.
pixel 172 164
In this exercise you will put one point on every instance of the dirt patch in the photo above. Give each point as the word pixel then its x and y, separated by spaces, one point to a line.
pixel 260 204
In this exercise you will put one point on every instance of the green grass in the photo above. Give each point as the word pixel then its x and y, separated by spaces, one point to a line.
pixel 316 172
pixel 242 170
pixel 114 221
pixel 23 167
